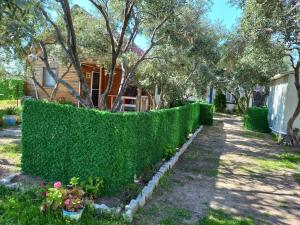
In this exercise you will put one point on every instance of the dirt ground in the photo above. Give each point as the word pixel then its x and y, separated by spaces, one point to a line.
pixel 10 154
pixel 230 169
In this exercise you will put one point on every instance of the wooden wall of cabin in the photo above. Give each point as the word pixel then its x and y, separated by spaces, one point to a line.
pixel 71 78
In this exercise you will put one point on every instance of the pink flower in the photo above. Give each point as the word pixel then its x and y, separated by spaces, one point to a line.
pixel 67 202
pixel 57 184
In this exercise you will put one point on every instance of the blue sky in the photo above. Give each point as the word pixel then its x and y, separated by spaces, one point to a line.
pixel 223 12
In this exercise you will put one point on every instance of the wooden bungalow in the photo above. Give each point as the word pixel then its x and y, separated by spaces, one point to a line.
pixel 97 80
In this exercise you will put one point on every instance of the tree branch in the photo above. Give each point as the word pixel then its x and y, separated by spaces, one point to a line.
pixel 71 90
pixel 54 91
pixel 109 30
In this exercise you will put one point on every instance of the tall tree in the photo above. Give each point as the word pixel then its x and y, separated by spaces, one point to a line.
pixel 245 67
pixel 276 24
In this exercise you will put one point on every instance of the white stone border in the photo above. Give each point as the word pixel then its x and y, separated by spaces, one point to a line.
pixel 6 181
pixel 148 190
pixel 143 196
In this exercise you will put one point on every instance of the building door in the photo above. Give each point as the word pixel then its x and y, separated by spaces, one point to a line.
pixel 95 81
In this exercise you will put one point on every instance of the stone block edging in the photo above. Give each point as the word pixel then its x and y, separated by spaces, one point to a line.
pixel 147 191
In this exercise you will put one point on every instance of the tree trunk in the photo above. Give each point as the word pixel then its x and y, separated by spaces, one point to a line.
pixel 109 86
pixel 294 139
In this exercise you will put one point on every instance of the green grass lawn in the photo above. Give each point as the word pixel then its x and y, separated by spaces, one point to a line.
pixel 24 209
pixel 218 217
pixel 286 160
pixel 10 151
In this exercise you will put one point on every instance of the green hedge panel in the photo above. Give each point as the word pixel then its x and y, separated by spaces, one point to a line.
pixel 11 89
pixel 207 112
pixel 256 119
pixel 62 141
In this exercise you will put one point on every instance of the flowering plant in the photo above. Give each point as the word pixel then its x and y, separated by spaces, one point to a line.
pixel 70 198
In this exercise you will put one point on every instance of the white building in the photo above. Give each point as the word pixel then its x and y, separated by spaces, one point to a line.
pixel 282 102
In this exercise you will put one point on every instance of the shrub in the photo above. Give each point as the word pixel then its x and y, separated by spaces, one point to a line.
pixel 61 141
pixel 220 102
pixel 256 119
pixel 10 111
pixel 169 152
pixel 92 186
pixel 207 113
pixel 11 89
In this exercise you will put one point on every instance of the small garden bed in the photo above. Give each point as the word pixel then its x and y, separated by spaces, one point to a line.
pixel 24 208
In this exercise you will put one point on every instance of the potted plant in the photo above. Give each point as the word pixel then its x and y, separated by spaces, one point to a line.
pixel 70 199
pixel 73 201
pixel 10 116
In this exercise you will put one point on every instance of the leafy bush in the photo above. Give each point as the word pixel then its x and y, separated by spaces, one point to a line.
pixel 10 111
pixel 11 89
pixel 61 141
pixel 169 152
pixel 220 102
pixel 256 119
pixel 92 186
pixel 207 113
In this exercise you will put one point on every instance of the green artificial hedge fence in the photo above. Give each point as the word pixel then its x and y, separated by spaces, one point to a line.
pixel 206 112
pixel 256 119
pixel 61 141
pixel 11 89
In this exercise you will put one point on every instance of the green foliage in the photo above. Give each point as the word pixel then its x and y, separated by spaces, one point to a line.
pixel 11 89
pixel 24 209
pixel 207 114
pixel 54 198
pixel 61 141
pixel 131 191
pixel 241 106
pixel 256 119
pixel 74 181
pixel 220 102
pixel 169 152
pixel 92 186
pixel 10 111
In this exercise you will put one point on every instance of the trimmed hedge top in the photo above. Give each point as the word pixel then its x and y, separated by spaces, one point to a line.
pixel 256 119
pixel 61 141
pixel 11 89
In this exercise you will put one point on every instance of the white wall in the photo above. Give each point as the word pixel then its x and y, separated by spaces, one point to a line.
pixel 276 104
pixel 282 102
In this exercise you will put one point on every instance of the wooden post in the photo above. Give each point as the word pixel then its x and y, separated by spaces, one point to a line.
pixel 138 100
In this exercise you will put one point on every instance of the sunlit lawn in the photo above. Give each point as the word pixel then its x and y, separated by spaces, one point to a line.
pixel 287 160
pixel 218 217
pixel 9 103
pixel 10 151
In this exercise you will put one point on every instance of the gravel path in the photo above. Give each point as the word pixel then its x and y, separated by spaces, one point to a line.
pixel 222 170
